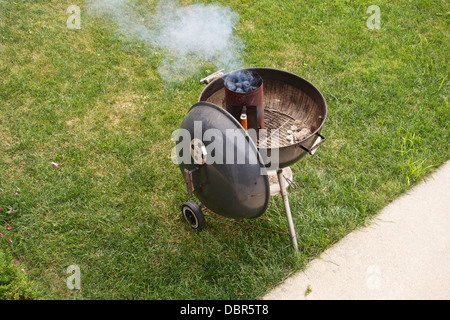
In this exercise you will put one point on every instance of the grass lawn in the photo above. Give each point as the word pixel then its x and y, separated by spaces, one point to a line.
pixel 92 101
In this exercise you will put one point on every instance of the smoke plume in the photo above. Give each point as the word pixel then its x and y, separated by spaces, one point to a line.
pixel 190 36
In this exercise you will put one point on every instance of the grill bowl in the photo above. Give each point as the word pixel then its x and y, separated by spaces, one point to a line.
pixel 287 97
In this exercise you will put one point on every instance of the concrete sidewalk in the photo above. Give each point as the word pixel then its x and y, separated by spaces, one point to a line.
pixel 403 254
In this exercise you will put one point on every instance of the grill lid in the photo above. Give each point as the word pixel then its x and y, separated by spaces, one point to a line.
pixel 224 167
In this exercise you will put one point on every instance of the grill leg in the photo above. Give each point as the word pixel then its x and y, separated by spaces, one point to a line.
pixel 284 195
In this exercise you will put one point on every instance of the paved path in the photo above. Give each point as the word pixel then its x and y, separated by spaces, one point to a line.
pixel 403 254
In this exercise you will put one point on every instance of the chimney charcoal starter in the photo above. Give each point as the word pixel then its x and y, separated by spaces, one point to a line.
pixel 244 88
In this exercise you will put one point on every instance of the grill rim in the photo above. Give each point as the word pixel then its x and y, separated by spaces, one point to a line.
pixel 291 153
pixel 219 82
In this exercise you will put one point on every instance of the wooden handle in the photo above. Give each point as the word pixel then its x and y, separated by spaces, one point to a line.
pixel 244 121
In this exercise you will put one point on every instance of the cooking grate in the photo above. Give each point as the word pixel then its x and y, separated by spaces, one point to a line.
pixel 275 119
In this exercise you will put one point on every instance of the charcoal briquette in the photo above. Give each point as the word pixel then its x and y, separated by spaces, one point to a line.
pixel 231 86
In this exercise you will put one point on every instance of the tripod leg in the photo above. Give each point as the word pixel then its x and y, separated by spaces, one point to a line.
pixel 284 195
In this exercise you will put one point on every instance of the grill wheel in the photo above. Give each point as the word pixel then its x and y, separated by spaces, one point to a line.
pixel 193 214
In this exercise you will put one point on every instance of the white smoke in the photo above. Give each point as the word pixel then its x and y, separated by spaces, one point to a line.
pixel 190 36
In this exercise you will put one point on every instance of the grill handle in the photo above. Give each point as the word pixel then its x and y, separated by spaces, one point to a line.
pixel 213 77
pixel 316 144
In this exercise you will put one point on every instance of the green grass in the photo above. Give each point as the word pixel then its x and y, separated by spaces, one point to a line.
pixel 93 102
pixel 14 283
